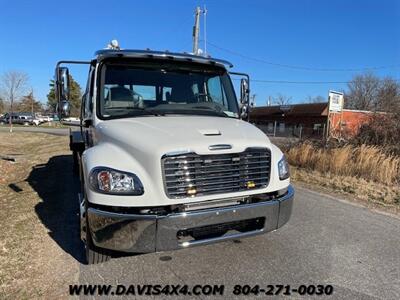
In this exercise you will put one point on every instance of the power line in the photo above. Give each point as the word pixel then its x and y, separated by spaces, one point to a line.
pixel 300 82
pixel 302 67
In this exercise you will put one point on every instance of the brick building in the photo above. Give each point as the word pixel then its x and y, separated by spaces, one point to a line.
pixel 308 120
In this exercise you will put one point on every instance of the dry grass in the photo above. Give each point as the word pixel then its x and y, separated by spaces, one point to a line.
pixel 370 193
pixel 28 255
pixel 366 162
pixel 367 173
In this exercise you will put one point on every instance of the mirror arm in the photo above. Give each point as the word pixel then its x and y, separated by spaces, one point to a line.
pixel 244 95
pixel 58 84
pixel 241 74
pixel 87 123
pixel 57 81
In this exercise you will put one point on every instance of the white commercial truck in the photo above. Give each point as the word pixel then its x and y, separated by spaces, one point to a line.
pixel 166 155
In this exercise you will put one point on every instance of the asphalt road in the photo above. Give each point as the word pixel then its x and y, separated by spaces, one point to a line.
pixel 326 242
pixel 41 129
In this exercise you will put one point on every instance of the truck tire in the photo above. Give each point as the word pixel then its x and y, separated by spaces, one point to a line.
pixel 94 255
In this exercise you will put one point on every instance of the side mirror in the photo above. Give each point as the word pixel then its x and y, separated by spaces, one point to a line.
pixel 244 95
pixel 244 99
pixel 62 88
pixel 63 81
pixel 244 91
pixel 244 111
pixel 64 109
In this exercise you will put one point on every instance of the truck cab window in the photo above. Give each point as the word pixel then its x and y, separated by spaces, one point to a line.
pixel 166 93
pixel 147 92
pixel 129 91
pixel 216 91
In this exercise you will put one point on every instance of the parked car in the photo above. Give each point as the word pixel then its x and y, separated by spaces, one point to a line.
pixel 23 120
pixel 71 121
pixel 36 122
pixel 3 120
pixel 43 119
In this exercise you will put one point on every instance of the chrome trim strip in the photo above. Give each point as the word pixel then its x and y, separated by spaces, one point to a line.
pixel 162 55
pixel 108 214
pixel 178 152
pixel 219 147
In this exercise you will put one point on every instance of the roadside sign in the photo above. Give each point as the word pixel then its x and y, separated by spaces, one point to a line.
pixel 335 101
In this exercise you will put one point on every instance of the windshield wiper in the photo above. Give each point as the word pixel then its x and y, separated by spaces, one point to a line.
pixel 205 112
pixel 132 111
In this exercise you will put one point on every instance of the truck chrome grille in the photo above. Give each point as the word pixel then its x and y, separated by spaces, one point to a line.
pixel 190 174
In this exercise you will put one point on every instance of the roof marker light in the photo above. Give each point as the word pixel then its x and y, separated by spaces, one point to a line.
pixel 114 45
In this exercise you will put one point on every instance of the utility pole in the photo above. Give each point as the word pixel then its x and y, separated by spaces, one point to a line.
pixel 196 31
pixel 205 29
pixel 11 111
pixel 269 101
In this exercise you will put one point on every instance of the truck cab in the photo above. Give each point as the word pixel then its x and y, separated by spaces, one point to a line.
pixel 166 156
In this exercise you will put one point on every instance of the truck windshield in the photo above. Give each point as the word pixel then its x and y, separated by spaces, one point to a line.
pixel 128 91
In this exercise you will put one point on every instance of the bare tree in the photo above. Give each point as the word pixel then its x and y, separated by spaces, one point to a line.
pixel 281 99
pixel 316 99
pixel 2 105
pixel 389 96
pixel 363 92
pixel 368 92
pixel 28 103
pixel 13 85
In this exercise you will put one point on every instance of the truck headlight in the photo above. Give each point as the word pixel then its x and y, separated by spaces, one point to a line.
pixel 283 169
pixel 110 181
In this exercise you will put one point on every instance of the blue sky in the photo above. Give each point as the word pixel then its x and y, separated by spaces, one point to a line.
pixel 314 34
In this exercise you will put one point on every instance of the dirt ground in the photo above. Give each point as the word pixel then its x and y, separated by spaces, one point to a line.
pixel 39 245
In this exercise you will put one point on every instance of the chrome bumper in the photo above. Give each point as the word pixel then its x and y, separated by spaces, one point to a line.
pixel 151 233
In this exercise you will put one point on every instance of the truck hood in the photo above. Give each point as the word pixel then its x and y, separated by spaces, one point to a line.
pixel 137 145
pixel 158 135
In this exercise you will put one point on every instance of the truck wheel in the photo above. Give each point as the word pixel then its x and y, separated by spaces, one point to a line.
pixel 94 255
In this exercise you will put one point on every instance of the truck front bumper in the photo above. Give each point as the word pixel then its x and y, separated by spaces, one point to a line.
pixel 152 233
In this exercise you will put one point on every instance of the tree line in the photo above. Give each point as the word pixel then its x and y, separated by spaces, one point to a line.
pixel 16 95
pixel 364 92
pixel 369 92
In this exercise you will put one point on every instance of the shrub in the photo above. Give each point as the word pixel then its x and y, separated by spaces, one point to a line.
pixel 382 130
